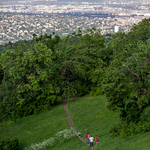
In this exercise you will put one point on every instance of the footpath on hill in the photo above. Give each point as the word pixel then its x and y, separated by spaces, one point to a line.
pixel 64 102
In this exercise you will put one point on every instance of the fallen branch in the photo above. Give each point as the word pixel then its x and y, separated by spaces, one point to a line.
pixel 62 75
pixel 131 71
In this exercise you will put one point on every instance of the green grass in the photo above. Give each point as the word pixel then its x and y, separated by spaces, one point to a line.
pixel 34 129
pixel 88 114
pixel 91 115
pixel 73 144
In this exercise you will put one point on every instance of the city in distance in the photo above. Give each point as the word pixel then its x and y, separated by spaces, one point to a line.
pixel 75 0
pixel 19 20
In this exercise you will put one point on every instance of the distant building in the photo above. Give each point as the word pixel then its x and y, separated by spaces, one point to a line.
pixel 65 34
pixel 116 28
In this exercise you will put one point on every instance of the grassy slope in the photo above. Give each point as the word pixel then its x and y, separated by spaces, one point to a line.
pixel 43 126
pixel 36 128
pixel 91 115
pixel 88 114
pixel 73 144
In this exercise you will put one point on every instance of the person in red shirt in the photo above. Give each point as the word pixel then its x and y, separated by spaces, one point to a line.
pixel 87 137
pixel 96 139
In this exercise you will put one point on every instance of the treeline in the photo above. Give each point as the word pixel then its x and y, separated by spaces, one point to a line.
pixel 33 79
pixel 127 80
pixel 35 76
pixel 8 45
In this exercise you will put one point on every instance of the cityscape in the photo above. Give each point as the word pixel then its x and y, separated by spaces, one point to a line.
pixel 19 20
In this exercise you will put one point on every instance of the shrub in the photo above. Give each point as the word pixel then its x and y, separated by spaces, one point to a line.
pixel 11 144
pixel 127 129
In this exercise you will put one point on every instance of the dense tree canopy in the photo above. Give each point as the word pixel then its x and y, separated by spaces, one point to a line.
pixel 140 31
pixel 35 76
pixel 126 83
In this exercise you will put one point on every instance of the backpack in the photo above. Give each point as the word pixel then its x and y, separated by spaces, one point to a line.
pixel 86 136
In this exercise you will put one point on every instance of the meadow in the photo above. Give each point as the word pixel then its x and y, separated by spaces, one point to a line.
pixel 40 129
pixel 89 114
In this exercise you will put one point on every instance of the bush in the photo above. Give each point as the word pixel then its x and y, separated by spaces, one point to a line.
pixel 127 129
pixel 115 129
pixel 7 123
pixel 11 144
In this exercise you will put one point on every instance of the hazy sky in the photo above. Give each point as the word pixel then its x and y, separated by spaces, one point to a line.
pixel 77 0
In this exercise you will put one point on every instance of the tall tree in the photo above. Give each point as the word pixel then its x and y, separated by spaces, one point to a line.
pixel 140 31
pixel 28 72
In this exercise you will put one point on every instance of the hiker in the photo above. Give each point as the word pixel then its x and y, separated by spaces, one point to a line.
pixel 87 137
pixel 96 139
pixel 91 140
pixel 79 134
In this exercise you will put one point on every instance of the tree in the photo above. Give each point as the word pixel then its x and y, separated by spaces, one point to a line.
pixel 78 56
pixel 29 74
pixel 141 31
pixel 40 75
pixel 127 83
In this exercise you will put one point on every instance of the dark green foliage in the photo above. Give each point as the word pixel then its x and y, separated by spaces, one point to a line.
pixel 124 129
pixel 126 83
pixel 141 31
pixel 11 144
pixel 1 74
pixel 26 86
pixel 35 77
pixel 49 41
pixel 78 57
pixel 38 76
pixel 9 45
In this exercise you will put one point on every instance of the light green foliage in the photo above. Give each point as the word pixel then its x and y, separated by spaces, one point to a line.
pixel 28 73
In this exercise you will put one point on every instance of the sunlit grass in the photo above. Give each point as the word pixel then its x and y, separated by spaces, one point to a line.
pixel 36 128
pixel 91 115
pixel 43 131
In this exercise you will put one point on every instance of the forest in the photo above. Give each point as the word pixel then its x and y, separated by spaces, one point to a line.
pixel 36 75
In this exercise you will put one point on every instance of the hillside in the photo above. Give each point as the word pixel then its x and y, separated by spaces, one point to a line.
pixel 37 76
pixel 41 128
pixel 89 114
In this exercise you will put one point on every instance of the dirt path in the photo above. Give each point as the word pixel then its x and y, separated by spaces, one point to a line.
pixel 64 102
